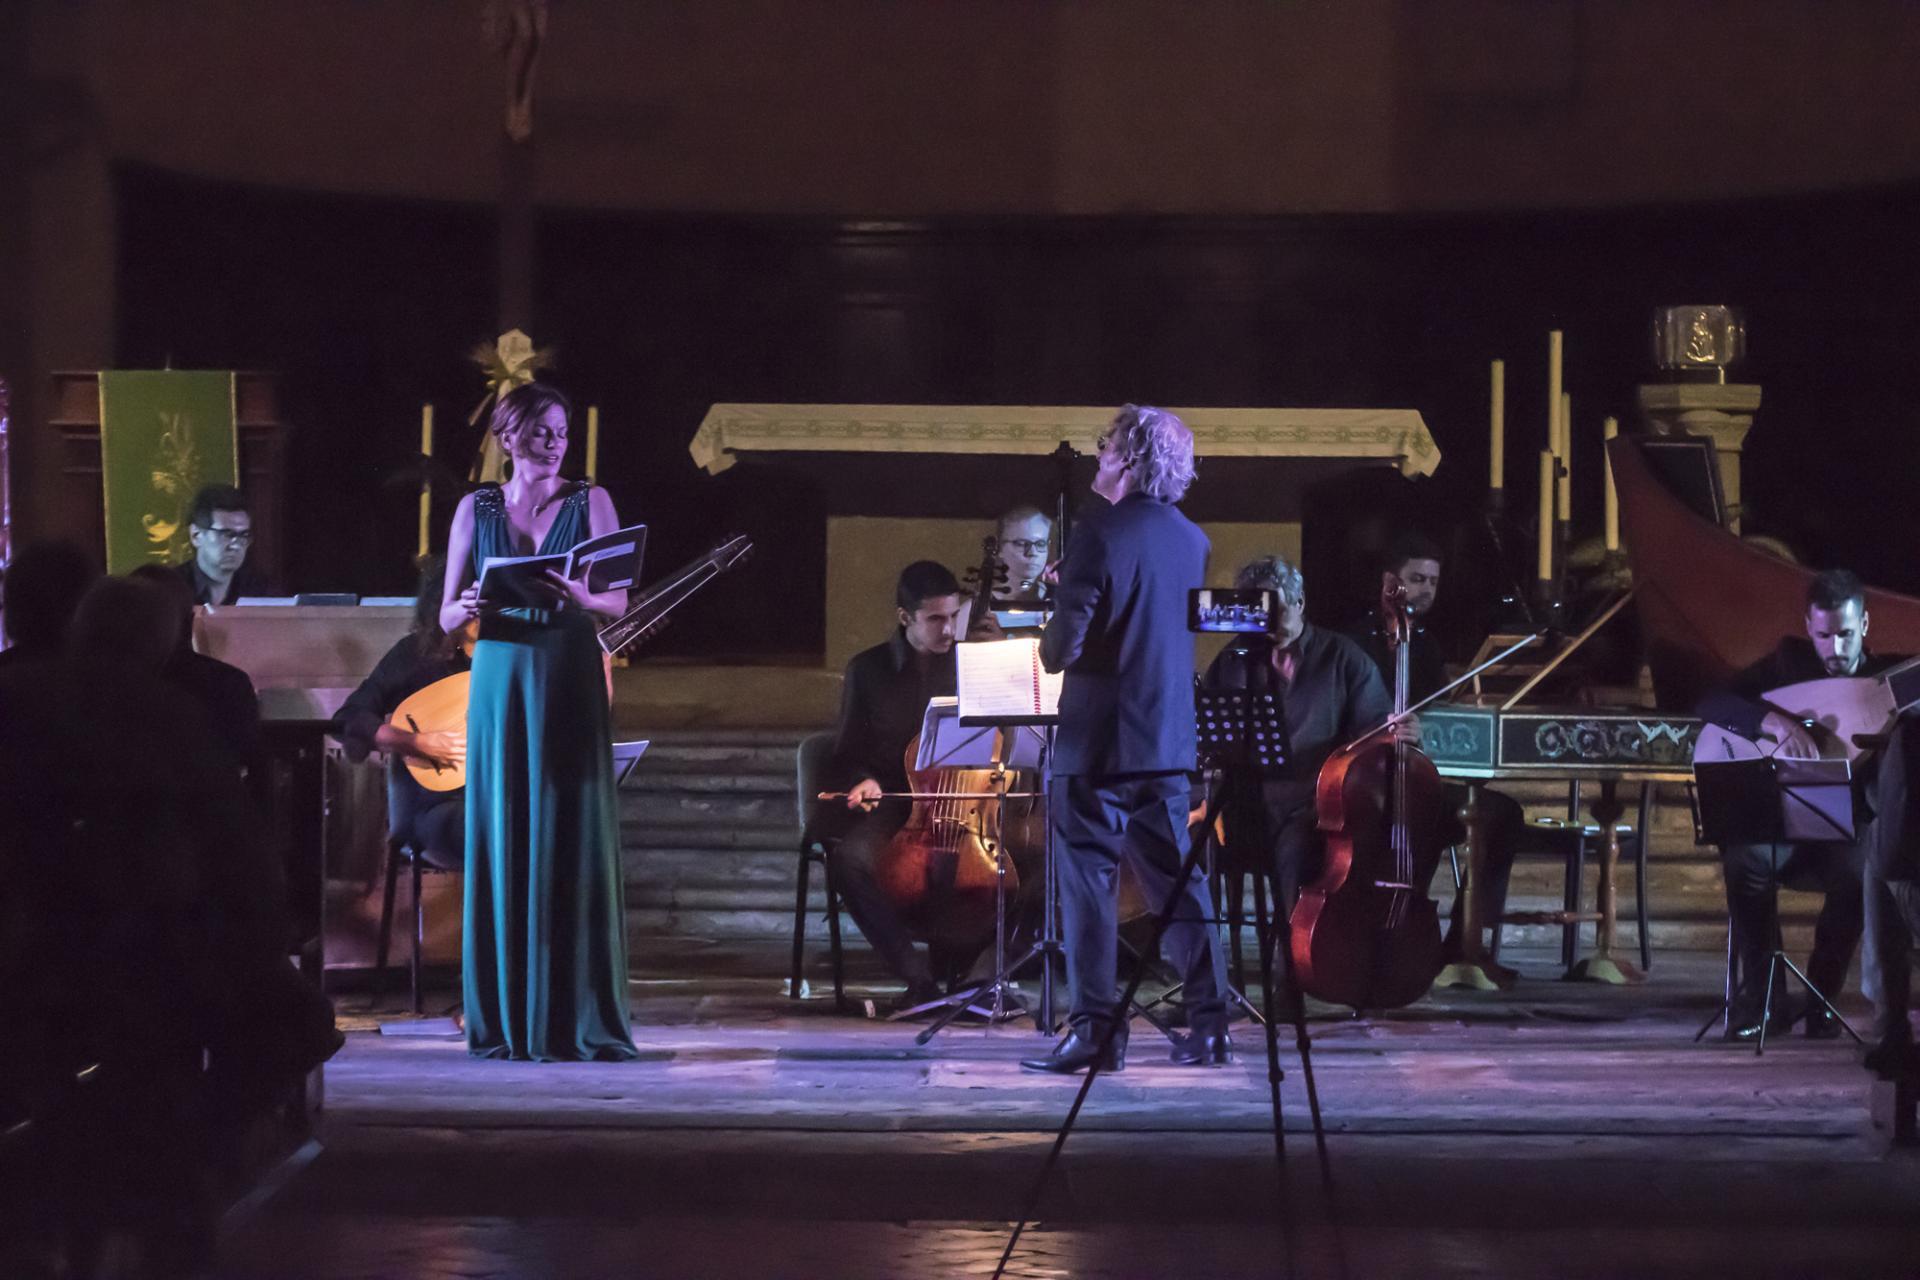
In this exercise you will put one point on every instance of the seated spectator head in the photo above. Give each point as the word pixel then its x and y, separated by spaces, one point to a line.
pixel 43 587
pixel 221 529
pixel 178 593
pixel 124 622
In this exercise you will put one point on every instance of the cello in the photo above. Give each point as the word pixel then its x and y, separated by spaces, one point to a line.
pixel 1365 934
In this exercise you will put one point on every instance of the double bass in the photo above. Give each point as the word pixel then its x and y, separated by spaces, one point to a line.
pixel 1365 934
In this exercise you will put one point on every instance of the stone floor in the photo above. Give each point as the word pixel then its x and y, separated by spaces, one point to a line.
pixel 1551 1130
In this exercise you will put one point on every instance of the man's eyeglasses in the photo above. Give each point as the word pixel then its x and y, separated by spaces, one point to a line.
pixel 1025 546
pixel 228 537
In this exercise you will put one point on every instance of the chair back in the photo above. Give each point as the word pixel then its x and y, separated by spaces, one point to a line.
pixel 811 759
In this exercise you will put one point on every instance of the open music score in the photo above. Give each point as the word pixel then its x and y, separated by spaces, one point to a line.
pixel 1002 681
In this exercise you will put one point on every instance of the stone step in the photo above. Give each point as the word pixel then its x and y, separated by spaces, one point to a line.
pixel 710 835
pixel 711 783
pixel 774 921
pixel 682 807
pixel 673 760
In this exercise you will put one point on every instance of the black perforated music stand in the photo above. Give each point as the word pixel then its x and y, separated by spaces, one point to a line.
pixel 948 740
pixel 1774 801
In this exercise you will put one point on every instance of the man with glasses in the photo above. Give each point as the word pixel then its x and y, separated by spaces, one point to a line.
pixel 221 530
pixel 1026 535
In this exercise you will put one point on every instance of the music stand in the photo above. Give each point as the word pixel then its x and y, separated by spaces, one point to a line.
pixel 950 741
pixel 626 758
pixel 1774 801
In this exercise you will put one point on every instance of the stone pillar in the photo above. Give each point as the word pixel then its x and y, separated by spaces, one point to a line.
pixel 1720 411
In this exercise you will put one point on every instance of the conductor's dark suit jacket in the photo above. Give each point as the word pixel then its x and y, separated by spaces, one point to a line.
pixel 1119 631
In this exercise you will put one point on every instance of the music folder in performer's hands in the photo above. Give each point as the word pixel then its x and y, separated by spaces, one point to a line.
pixel 1003 682
pixel 610 562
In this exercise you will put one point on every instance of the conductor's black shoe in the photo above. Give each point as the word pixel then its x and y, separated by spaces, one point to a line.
pixel 1075 1054
pixel 1200 1049
pixel 1823 1023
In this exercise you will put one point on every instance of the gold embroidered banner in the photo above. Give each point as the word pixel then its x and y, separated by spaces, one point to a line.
pixel 162 436
pixel 1399 436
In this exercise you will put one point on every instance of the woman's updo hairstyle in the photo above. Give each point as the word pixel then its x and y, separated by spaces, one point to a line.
pixel 525 404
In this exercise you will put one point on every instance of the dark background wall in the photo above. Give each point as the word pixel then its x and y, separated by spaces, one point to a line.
pixel 369 306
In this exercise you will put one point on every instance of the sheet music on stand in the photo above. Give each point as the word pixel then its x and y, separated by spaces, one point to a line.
pixel 948 741
pixel 1003 682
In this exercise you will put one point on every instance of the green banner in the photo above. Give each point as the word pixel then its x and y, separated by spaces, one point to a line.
pixel 162 436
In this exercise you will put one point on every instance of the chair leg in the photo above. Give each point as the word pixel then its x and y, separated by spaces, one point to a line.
pixel 385 937
pixel 1236 896
pixel 799 923
pixel 1577 888
pixel 1642 838
pixel 833 938
pixel 1260 911
pixel 419 932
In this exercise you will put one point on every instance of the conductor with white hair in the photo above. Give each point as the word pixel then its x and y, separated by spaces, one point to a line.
pixel 1126 737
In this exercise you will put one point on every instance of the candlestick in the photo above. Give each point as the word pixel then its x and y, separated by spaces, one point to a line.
pixel 1555 351
pixel 1497 448
pixel 593 442
pixel 426 481
pixel 1545 559
pixel 1608 431
pixel 1566 458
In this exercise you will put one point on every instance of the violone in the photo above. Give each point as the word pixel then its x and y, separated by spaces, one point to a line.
pixel 442 705
pixel 1366 934
pixel 939 870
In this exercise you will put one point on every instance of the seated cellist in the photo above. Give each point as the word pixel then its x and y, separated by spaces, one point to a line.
pixel 1331 694
pixel 882 702
pixel 1412 563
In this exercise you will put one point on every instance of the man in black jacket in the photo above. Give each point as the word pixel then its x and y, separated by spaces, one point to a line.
pixel 1834 645
pixel 1330 694
pixel 1126 738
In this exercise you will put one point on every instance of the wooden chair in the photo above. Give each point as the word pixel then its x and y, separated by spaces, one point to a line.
pixel 810 768
pixel 402 851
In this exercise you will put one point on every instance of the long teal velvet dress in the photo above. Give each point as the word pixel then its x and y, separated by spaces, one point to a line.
pixel 545 942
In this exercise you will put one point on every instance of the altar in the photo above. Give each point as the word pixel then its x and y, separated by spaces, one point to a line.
pixel 910 482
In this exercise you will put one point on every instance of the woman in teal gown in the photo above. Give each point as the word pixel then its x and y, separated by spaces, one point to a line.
pixel 544 949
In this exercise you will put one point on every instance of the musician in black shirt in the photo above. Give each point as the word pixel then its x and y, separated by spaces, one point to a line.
pixel 882 702
pixel 1413 563
pixel 220 527
pixel 1834 645
pixel 1330 695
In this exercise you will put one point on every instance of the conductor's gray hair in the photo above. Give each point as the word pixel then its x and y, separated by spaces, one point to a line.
pixel 1158 445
